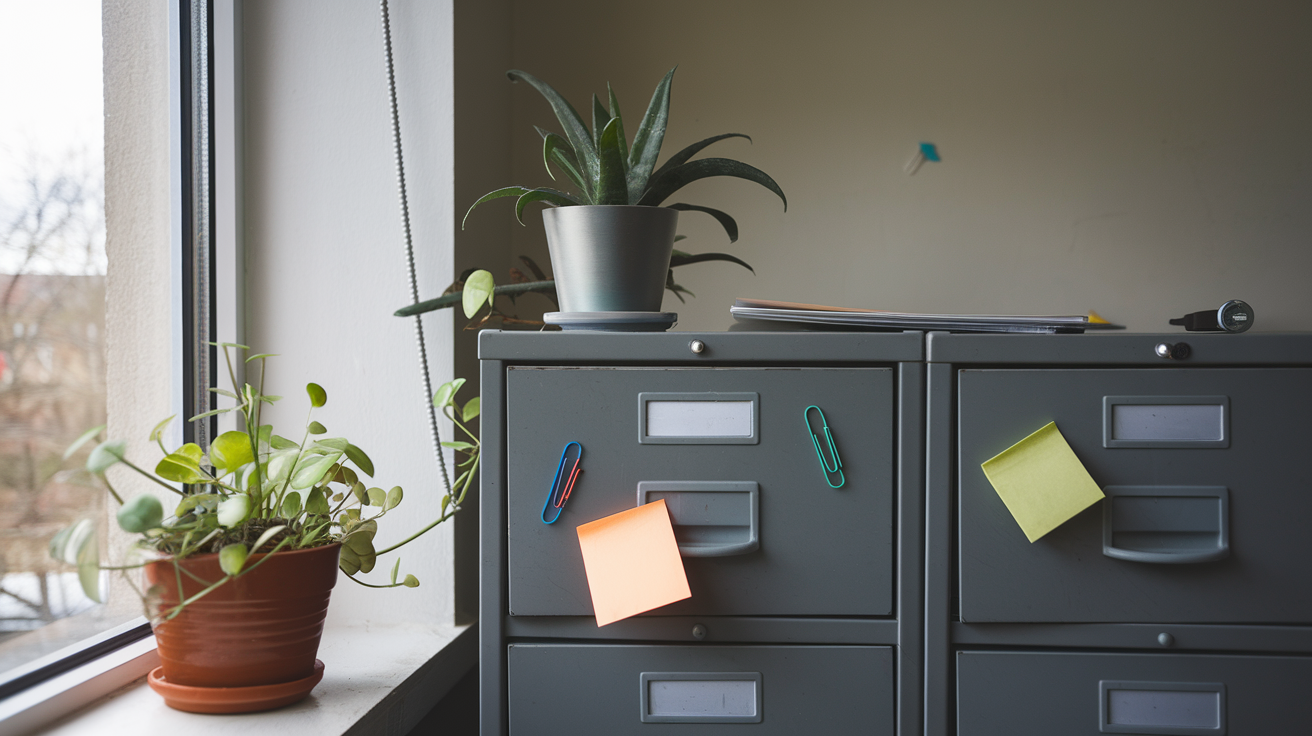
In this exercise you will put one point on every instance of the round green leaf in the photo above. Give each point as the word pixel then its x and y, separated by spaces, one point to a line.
pixel 318 397
pixel 478 291
pixel 317 428
pixel 471 409
pixel 348 561
pixel 84 438
pixel 377 497
pixel 106 455
pixel 291 505
pixel 182 465
pixel 234 510
pixel 361 460
pixel 393 498
pixel 232 558
pixel 140 513
pixel 368 561
pixel 410 581
pixel 231 450
pixel 446 392
pixel 315 503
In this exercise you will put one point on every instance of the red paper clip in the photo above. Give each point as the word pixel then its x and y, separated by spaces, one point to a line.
pixel 563 484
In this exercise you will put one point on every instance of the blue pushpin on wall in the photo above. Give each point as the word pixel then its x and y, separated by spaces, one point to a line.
pixel 926 152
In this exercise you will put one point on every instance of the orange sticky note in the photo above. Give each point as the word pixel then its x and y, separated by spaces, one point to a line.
pixel 632 562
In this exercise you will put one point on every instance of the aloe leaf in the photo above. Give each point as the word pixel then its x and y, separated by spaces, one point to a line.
pixel 615 114
pixel 599 119
pixel 612 185
pixel 497 194
pixel 556 150
pixel 649 137
pixel 575 131
pixel 723 218
pixel 542 194
pixel 683 259
pixel 675 178
pixel 696 148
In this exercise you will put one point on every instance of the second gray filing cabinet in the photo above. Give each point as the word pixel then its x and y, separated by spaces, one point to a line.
pixel 1178 604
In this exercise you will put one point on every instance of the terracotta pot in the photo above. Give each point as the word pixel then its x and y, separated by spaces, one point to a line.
pixel 262 628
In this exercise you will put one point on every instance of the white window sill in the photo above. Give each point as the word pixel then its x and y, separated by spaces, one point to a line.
pixel 376 680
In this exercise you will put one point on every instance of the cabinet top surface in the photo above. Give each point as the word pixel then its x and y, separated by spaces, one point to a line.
pixel 1102 348
pixel 791 348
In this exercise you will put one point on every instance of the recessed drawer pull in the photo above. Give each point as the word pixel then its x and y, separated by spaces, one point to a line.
pixel 1166 524
pixel 712 518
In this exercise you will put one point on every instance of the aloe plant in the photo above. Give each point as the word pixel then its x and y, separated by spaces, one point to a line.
pixel 604 167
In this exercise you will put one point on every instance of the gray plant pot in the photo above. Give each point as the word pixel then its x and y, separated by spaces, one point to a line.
pixel 610 258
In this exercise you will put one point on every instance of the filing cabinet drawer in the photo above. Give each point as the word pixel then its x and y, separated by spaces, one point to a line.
pixel 762 531
pixel 693 690
pixel 1044 693
pixel 1209 491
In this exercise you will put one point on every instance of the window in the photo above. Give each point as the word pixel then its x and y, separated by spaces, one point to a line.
pixel 52 316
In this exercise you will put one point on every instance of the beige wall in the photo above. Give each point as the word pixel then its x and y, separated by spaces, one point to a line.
pixel 1142 158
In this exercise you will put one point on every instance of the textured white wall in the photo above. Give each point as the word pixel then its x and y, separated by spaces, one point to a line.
pixel 1143 158
pixel 324 250
pixel 138 353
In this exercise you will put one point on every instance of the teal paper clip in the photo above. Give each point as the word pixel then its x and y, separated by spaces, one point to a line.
pixel 829 468
pixel 563 484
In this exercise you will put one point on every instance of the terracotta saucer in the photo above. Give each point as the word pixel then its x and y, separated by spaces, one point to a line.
pixel 233 699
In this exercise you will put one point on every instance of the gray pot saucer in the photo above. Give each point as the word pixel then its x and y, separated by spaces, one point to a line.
pixel 612 321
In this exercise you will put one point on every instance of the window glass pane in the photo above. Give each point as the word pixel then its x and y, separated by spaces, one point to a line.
pixel 52 315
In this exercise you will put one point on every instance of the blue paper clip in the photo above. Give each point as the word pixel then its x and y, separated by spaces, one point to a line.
pixel 563 483
pixel 825 465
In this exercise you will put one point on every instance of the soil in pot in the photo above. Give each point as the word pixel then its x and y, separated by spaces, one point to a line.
pixel 259 630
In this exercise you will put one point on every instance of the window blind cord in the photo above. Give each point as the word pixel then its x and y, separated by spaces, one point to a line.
pixel 410 254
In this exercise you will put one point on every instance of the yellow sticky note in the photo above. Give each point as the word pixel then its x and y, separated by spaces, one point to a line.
pixel 632 562
pixel 1041 481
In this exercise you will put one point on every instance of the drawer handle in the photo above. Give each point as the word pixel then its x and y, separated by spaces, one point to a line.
pixel 1169 525
pixel 712 518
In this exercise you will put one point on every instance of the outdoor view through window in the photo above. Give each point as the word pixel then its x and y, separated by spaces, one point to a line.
pixel 52 314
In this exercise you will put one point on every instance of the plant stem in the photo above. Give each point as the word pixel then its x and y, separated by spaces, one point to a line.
pixel 370 585
pixel 128 463
pixel 450 300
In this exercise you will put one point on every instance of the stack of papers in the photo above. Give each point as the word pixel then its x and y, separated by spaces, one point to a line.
pixel 877 320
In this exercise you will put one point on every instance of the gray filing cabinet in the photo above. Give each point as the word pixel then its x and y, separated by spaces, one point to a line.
pixel 1181 603
pixel 806 610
